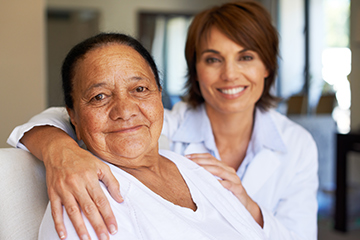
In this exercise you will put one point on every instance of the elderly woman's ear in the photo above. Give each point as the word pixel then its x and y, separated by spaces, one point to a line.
pixel 73 120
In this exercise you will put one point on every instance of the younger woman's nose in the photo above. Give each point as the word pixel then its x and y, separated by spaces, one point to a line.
pixel 230 71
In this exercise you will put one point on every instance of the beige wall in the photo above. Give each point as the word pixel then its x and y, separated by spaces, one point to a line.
pixel 22 65
pixel 121 15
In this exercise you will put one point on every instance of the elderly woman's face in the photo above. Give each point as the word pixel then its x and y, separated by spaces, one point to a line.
pixel 117 105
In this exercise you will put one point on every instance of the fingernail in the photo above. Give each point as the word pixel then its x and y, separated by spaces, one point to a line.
pixel 84 237
pixel 62 235
pixel 103 236
pixel 112 229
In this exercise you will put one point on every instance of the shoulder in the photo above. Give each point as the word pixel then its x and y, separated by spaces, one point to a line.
pixel 288 128
pixel 175 117
pixel 301 148
pixel 180 161
pixel 178 111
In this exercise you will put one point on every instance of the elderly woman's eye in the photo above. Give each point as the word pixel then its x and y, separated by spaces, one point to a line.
pixel 140 89
pixel 99 97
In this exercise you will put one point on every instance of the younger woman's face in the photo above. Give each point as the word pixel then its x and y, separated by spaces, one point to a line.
pixel 231 77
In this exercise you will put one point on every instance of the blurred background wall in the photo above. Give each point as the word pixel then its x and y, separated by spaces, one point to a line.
pixel 22 63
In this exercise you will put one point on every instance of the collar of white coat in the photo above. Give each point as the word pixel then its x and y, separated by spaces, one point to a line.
pixel 196 128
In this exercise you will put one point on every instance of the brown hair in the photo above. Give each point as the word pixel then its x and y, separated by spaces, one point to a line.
pixel 246 23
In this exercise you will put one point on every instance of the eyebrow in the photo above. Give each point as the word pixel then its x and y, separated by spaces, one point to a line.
pixel 97 85
pixel 217 52
pixel 101 84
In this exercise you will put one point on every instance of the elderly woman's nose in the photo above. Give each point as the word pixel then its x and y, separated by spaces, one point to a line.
pixel 230 71
pixel 123 108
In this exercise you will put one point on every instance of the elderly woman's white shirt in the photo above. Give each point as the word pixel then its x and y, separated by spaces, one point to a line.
pixel 146 215
pixel 279 171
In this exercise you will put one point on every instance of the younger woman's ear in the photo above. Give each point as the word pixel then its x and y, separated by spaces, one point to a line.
pixel 73 121
pixel 267 73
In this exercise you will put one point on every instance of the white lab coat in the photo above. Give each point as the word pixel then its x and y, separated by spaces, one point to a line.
pixel 279 171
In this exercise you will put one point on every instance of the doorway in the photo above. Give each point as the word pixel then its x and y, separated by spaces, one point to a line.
pixel 65 28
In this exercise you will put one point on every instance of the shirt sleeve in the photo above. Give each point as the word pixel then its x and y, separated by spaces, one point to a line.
pixel 55 116
pixel 295 216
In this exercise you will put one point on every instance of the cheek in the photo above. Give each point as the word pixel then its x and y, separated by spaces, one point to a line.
pixel 154 112
pixel 203 74
pixel 92 122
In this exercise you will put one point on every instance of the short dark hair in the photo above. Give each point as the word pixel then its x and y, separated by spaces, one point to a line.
pixel 79 51
pixel 246 23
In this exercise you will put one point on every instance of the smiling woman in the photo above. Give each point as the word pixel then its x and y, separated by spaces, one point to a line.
pixel 114 102
pixel 231 78
pixel 119 85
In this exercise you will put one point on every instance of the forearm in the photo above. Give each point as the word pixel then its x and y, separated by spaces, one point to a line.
pixel 55 116
pixel 44 140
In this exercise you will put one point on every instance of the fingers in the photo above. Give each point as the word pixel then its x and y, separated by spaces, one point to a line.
pixel 57 214
pixel 204 159
pixel 200 155
pixel 214 166
pixel 103 207
pixel 79 200
pixel 111 183
pixel 222 171
pixel 72 176
pixel 230 180
pixel 113 187
pixel 95 207
pixel 83 192
pixel 74 213
pixel 236 188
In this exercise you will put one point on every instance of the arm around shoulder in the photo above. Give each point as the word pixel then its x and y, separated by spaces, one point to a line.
pixel 55 116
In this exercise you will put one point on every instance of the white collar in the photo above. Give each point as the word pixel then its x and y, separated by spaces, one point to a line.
pixel 196 128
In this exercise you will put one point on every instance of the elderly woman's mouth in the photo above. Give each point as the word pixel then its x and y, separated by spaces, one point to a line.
pixel 127 129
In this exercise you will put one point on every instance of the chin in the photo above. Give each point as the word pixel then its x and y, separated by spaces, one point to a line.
pixel 132 150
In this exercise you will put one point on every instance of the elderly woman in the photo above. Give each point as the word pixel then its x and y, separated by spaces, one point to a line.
pixel 113 96
pixel 226 124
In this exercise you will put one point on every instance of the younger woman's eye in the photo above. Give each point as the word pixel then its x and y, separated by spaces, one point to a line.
pixel 246 58
pixel 211 60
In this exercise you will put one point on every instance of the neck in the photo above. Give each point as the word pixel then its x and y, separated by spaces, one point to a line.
pixel 164 179
pixel 238 125
pixel 232 134
pixel 150 162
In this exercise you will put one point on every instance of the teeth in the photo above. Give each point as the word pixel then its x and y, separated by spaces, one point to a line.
pixel 232 90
